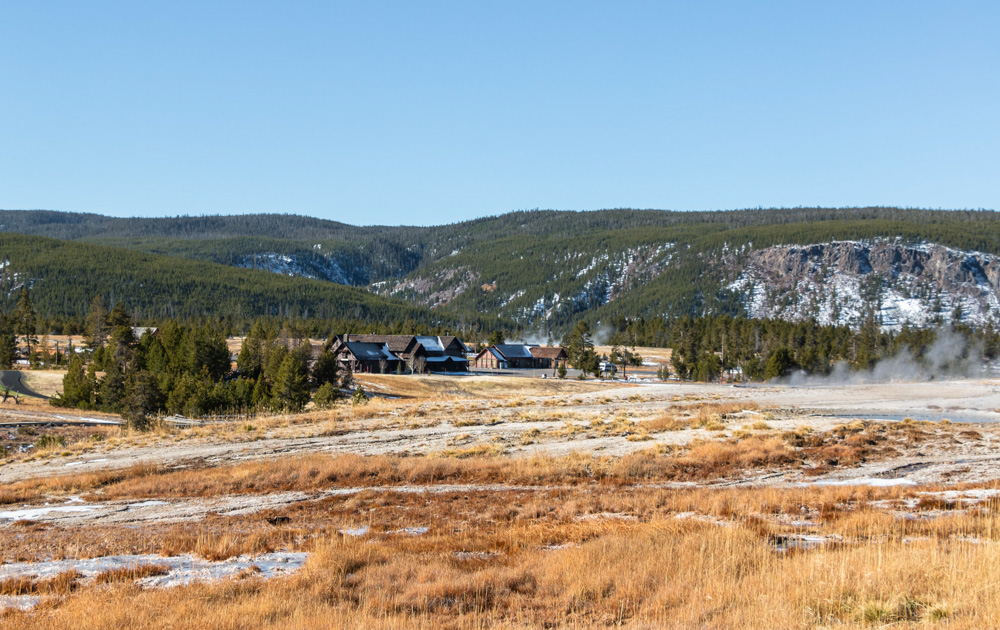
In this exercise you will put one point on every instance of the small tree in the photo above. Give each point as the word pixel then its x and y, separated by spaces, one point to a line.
pixel 326 396
pixel 779 364
pixel 326 369
pixel 142 398
pixel 77 390
pixel 347 381
pixel 383 365
pixel 561 371
pixel 359 397
pixel 291 387
pixel 26 319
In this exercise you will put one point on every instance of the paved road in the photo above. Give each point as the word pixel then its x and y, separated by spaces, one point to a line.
pixel 11 379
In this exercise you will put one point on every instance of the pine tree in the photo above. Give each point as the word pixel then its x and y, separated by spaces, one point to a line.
pixel 77 388
pixel 96 330
pixel 8 342
pixel 291 386
pixel 142 398
pixel 327 395
pixel 26 319
pixel 326 369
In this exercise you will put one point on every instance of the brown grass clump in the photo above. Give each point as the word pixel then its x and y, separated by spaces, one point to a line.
pixel 130 574
pixel 60 584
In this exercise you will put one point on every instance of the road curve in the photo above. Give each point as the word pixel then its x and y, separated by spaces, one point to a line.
pixel 11 379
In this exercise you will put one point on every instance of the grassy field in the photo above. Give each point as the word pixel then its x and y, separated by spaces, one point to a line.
pixel 654 507
pixel 565 545
pixel 473 387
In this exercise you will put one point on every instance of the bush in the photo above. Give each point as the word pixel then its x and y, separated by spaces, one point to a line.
pixel 50 441
pixel 326 396
pixel 359 397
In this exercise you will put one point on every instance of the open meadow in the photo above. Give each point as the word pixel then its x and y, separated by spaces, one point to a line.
pixel 487 501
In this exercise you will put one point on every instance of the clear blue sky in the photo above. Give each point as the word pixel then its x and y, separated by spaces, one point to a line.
pixel 434 112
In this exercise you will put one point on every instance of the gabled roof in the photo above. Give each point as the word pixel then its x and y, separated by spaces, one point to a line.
pixel 370 351
pixel 449 340
pixel 430 344
pixel 547 352
pixel 513 351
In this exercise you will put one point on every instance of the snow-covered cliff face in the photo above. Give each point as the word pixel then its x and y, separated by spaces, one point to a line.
pixel 308 266
pixel 558 282
pixel 846 282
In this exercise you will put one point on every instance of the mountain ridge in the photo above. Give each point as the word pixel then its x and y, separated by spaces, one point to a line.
pixel 540 268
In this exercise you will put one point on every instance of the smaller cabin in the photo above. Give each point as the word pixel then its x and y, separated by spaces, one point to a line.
pixel 548 357
pixel 519 357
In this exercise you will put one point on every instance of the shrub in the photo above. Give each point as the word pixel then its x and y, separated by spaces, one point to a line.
pixel 359 397
pixel 326 396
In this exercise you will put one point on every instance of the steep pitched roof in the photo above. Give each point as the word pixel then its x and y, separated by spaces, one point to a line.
pixel 547 352
pixel 513 351
pixel 370 351
pixel 396 343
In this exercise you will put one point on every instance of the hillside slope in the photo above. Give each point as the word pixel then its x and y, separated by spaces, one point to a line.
pixel 547 269
pixel 64 277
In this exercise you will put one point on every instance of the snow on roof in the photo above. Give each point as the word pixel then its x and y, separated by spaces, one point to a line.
pixel 431 344
pixel 512 351
pixel 370 351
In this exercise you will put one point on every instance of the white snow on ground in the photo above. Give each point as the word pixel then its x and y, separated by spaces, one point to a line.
pixel 873 482
pixel 32 513
pixel 19 602
pixel 976 494
pixel 355 531
pixel 182 570
pixel 88 461
pixel 412 531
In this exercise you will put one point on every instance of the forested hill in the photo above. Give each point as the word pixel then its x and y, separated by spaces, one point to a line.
pixel 548 269
pixel 65 276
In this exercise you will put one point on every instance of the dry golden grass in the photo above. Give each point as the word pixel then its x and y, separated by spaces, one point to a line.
pixel 474 387
pixel 574 541
pixel 130 574
pixel 664 573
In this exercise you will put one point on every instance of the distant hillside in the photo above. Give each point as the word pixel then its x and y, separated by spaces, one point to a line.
pixel 547 269
pixel 64 277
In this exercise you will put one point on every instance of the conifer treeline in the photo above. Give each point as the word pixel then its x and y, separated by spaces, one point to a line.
pixel 186 370
pixel 761 349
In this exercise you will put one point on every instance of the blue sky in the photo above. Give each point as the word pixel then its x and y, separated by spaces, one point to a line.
pixel 435 112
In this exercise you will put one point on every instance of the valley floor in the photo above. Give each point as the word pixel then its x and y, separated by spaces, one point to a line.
pixel 462 502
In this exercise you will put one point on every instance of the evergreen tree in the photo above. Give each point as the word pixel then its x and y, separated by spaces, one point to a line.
pixel 8 342
pixel 496 338
pixel 326 369
pixel 77 388
pixel 327 395
pixel 96 328
pixel 779 364
pixel 26 319
pixel 291 386
pixel 577 343
pixel 142 399
pixel 112 388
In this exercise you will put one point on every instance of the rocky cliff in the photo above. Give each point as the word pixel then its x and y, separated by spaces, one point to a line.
pixel 847 282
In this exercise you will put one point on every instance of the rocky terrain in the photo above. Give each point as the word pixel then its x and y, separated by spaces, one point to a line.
pixel 846 282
